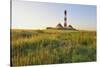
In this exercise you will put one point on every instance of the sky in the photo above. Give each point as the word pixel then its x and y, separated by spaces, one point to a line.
pixel 39 15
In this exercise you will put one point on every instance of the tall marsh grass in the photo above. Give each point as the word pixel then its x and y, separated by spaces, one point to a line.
pixel 32 47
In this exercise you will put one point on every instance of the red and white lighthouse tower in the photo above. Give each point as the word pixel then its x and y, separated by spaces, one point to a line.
pixel 65 19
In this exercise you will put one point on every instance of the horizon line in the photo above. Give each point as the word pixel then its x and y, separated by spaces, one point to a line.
pixel 43 29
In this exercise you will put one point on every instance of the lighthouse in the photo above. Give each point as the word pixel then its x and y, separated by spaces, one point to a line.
pixel 65 19
pixel 59 26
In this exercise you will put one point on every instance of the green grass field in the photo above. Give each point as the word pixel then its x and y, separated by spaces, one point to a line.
pixel 32 47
